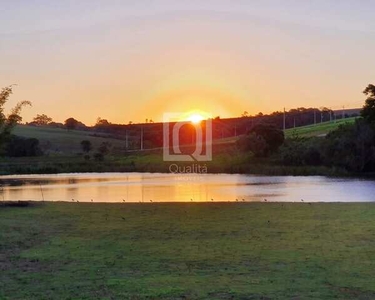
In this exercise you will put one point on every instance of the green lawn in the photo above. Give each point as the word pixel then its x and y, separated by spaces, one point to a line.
pixel 320 129
pixel 187 251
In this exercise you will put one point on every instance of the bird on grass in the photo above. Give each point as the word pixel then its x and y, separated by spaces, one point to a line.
pixel 265 200
pixel 151 201
pixel 123 200
pixel 301 200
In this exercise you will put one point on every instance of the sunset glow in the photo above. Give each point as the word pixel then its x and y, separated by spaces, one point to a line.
pixel 177 52
pixel 196 118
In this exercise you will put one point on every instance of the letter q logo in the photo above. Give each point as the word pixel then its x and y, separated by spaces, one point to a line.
pixel 174 132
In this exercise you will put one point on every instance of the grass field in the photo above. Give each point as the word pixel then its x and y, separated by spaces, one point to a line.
pixel 187 251
pixel 320 129
pixel 56 140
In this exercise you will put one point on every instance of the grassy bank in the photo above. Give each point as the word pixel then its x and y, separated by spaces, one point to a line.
pixel 187 251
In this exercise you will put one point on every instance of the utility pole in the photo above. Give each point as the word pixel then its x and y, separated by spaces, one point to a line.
pixel 141 137
pixel 314 116
pixel 284 121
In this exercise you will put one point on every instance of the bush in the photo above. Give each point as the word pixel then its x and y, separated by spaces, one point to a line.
pixel 262 140
pixel 98 156
pixel 351 146
pixel 254 143
pixel 301 152
pixel 18 146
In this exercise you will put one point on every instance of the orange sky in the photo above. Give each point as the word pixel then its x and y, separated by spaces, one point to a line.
pixel 126 63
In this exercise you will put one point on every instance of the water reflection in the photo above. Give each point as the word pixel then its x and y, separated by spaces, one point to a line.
pixel 145 187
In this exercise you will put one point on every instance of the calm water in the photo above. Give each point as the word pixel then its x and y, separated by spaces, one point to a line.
pixel 136 187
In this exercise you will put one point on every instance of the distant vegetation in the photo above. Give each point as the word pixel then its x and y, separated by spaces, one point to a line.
pixel 350 147
pixel 327 144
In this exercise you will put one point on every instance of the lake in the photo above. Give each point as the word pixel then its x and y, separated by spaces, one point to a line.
pixel 147 187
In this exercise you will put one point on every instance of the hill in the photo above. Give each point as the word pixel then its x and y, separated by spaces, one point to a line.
pixel 62 141
pixel 320 129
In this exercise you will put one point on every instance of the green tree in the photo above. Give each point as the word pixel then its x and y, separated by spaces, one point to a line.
pixel 368 110
pixel 351 146
pixel 262 140
pixel 254 143
pixel 273 136
pixel 7 123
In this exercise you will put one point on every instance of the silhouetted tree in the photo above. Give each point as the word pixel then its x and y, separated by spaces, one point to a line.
pixel 7 123
pixel 102 122
pixel 71 123
pixel 368 111
pixel 42 119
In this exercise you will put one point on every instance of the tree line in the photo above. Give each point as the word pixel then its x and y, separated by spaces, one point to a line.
pixel 351 147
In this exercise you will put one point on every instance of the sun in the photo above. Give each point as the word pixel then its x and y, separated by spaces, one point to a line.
pixel 195 118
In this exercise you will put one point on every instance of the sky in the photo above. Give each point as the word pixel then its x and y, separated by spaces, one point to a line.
pixel 135 60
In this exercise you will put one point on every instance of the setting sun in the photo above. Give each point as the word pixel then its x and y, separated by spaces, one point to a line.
pixel 196 118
